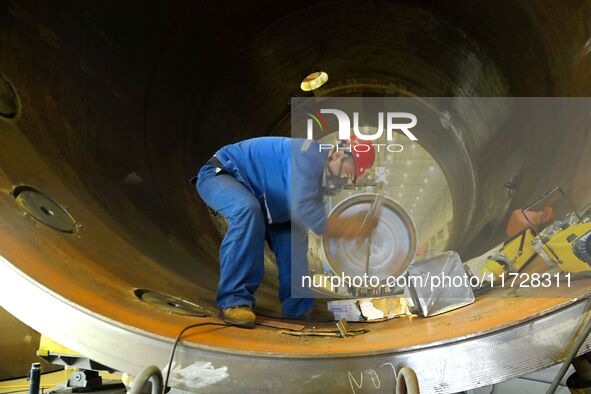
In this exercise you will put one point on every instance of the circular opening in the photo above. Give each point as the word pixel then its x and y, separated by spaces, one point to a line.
pixel 415 180
pixel 47 211
pixel 390 249
pixel 314 81
pixel 171 303
pixel 44 209
pixel 9 102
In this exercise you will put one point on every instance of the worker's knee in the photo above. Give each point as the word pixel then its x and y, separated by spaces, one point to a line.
pixel 250 210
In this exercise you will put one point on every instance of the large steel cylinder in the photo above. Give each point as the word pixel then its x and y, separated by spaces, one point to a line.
pixel 108 109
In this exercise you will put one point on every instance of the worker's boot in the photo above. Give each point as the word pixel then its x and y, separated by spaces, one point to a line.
pixel 239 315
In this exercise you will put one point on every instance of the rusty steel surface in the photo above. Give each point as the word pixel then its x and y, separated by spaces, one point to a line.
pixel 120 107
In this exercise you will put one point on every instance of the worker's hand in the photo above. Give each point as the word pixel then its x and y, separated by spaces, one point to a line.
pixel 358 226
pixel 351 227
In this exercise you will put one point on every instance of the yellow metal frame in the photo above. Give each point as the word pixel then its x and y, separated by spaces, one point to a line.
pixel 510 253
pixel 48 346
pixel 559 243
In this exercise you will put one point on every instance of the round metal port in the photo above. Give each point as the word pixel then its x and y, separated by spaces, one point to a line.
pixel 391 248
pixel 171 303
pixel 44 209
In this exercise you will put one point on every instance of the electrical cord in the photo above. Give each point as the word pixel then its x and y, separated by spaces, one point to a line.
pixel 151 373
pixel 176 342
pixel 185 329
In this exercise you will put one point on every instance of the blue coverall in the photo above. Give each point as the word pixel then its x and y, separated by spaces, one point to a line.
pixel 269 188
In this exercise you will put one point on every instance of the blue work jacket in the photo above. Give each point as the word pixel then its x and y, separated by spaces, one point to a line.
pixel 284 174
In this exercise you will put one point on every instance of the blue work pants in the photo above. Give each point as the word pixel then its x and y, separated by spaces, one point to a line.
pixel 242 249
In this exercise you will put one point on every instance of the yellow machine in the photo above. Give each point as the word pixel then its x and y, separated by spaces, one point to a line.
pixel 565 243
pixel 566 246
pixel 513 256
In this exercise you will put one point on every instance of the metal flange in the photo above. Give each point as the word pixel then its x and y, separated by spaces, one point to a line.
pixel 392 245
pixel 171 303
pixel 44 209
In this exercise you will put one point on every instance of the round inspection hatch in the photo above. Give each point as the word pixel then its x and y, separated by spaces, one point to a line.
pixel 171 303
pixel 44 209
pixel 392 246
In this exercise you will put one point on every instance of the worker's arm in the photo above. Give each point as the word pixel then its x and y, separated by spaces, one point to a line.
pixel 308 205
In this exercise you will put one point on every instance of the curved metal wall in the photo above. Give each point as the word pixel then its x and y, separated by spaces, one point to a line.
pixel 120 105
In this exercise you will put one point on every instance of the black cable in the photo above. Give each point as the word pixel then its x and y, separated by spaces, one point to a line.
pixel 178 339
pixel 176 342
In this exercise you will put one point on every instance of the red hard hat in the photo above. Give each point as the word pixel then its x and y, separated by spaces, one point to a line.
pixel 363 153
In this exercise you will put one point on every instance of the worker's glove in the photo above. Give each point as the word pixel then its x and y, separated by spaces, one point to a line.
pixel 357 226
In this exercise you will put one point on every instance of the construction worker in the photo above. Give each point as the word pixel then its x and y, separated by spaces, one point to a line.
pixel 272 188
